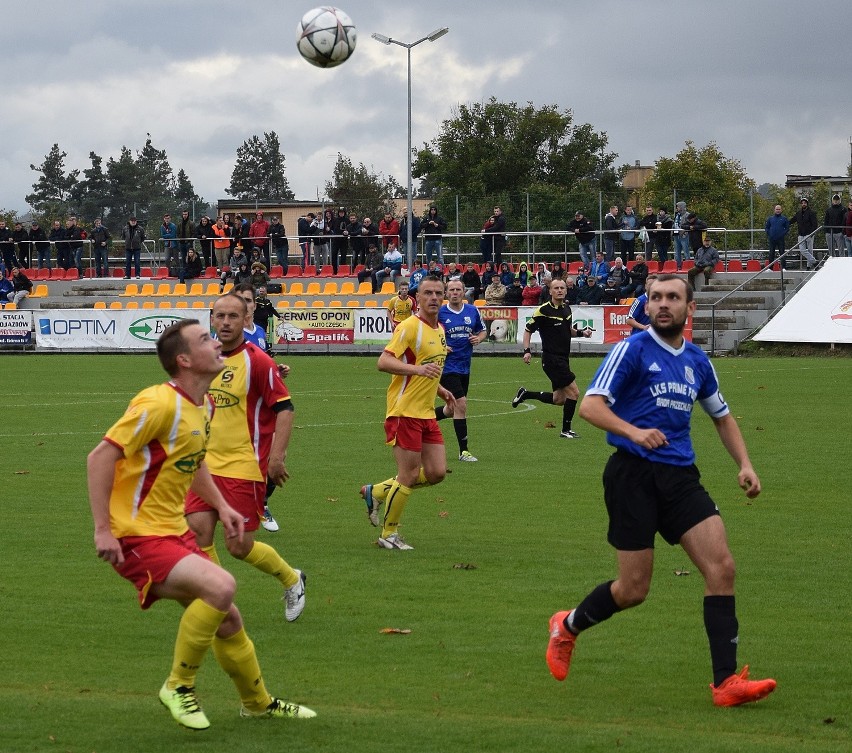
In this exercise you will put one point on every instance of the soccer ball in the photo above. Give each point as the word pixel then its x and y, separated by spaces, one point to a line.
pixel 326 37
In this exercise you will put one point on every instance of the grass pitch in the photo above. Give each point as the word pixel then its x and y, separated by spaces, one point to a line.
pixel 82 664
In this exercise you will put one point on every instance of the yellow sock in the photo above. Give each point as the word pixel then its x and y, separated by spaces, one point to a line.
pixel 394 507
pixel 211 552
pixel 267 560
pixel 196 631
pixel 421 480
pixel 236 655
pixel 380 490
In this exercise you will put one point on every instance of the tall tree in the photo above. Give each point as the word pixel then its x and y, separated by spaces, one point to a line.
pixel 361 190
pixel 156 182
pixel 52 190
pixel 125 194
pixel 259 172
pixel 494 147
pixel 91 194
pixel 713 186
pixel 186 197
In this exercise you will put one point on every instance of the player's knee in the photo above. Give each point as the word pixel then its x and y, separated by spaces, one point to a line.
pixel 221 587
pixel 237 548
pixel 631 592
pixel 435 475
pixel 722 574
pixel 231 624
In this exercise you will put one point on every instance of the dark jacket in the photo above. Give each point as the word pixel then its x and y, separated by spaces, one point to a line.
pixel 304 229
pixel 21 282
pixel 514 295
pixel 278 235
pixel 835 218
pixel 639 273
pixel 193 267
pixel 100 236
pixel 806 219
pixel 470 279
pixel 75 237
pixel 695 227
pixel 583 229
pixel 133 237
pixel 185 229
pixel 38 238
pixel 591 295
pixel 662 237
pixel 433 227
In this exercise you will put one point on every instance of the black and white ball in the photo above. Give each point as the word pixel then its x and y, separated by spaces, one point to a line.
pixel 326 37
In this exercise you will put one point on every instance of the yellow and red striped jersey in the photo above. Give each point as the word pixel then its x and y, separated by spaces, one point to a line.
pixel 415 341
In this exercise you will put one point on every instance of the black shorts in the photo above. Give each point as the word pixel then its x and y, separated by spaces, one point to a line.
pixel 456 383
pixel 643 497
pixel 557 370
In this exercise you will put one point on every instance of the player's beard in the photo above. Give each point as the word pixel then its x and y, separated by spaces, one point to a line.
pixel 671 330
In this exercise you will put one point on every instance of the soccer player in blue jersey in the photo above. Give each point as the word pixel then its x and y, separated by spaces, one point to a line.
pixel 643 395
pixel 253 333
pixel 637 317
pixel 465 329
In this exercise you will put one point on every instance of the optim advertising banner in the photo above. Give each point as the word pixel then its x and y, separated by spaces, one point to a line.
pixel 90 329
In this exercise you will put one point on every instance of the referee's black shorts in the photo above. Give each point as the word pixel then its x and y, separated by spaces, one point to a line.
pixel 456 383
pixel 643 497
pixel 557 370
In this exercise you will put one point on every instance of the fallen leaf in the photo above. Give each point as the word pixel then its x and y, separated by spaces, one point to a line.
pixel 440 500
pixel 443 514
pixel 395 631
pixel 681 572
pixel 332 499
pixel 828 720
pixel 761 387
pixel 549 425
pixel 464 566
pixel 759 428
pixel 22 473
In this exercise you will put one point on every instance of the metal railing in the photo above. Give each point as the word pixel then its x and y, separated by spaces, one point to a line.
pixel 769 267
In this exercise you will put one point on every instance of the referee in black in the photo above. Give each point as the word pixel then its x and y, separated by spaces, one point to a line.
pixel 553 322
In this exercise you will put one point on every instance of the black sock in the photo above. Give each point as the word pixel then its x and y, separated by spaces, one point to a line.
pixel 270 487
pixel 596 607
pixel 439 413
pixel 460 425
pixel 568 414
pixel 544 397
pixel 720 622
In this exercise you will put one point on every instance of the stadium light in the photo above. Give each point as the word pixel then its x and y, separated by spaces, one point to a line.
pixel 437 34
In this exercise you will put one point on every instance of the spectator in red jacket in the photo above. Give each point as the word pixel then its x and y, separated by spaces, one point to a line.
pixel 389 230
pixel 259 235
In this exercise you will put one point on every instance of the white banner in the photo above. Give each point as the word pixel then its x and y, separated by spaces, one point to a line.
pixel 16 326
pixel 372 326
pixel 821 312
pixel 90 329
pixel 581 317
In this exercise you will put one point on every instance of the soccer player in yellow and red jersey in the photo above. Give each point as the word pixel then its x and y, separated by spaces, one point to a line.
pixel 415 359
pixel 138 477
pixel 401 306
pixel 248 442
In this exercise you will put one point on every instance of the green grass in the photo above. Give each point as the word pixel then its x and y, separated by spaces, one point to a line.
pixel 82 664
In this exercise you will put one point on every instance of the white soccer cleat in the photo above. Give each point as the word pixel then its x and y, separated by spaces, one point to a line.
pixel 268 522
pixel 466 457
pixel 394 541
pixel 294 598
pixel 569 434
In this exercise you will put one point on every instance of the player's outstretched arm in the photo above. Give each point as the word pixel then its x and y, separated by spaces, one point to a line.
pixel 597 412
pixel 100 468
pixel 390 364
pixel 732 439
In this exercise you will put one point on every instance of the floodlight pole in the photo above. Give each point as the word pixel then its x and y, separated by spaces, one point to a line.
pixel 437 34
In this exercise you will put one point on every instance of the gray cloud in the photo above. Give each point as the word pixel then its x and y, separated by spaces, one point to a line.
pixel 762 79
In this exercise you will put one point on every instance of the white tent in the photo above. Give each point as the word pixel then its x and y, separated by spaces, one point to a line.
pixel 821 312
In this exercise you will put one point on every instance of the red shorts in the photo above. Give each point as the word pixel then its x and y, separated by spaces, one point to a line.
pixel 412 433
pixel 150 559
pixel 246 497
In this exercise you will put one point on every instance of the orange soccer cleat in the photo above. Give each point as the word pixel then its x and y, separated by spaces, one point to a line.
pixel 560 646
pixel 738 689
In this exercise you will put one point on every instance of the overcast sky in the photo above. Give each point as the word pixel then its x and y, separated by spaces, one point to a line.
pixel 767 81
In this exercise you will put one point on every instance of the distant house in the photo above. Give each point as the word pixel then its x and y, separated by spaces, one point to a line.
pixel 635 178
pixel 803 185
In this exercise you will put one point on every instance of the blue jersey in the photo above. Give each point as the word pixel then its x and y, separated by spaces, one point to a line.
pixel 637 312
pixel 460 326
pixel 256 337
pixel 651 385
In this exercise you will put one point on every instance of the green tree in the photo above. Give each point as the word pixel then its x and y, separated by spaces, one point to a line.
pixel 125 194
pixel 52 191
pixel 259 172
pixel 713 186
pixel 361 190
pixel 90 195
pixel 495 146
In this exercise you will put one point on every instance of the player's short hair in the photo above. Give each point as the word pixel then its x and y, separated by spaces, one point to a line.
pixel 432 278
pixel 686 285
pixel 172 343
pixel 232 295
pixel 245 287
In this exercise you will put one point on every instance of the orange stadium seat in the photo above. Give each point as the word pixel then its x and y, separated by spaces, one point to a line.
pixel 132 305
pixel 347 288
pixel 313 288
pixel 330 288
pixel 295 288
pixel 131 289
pixel 115 305
pixel 100 305
pixel 199 305
pixel 196 288
pixel 40 291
